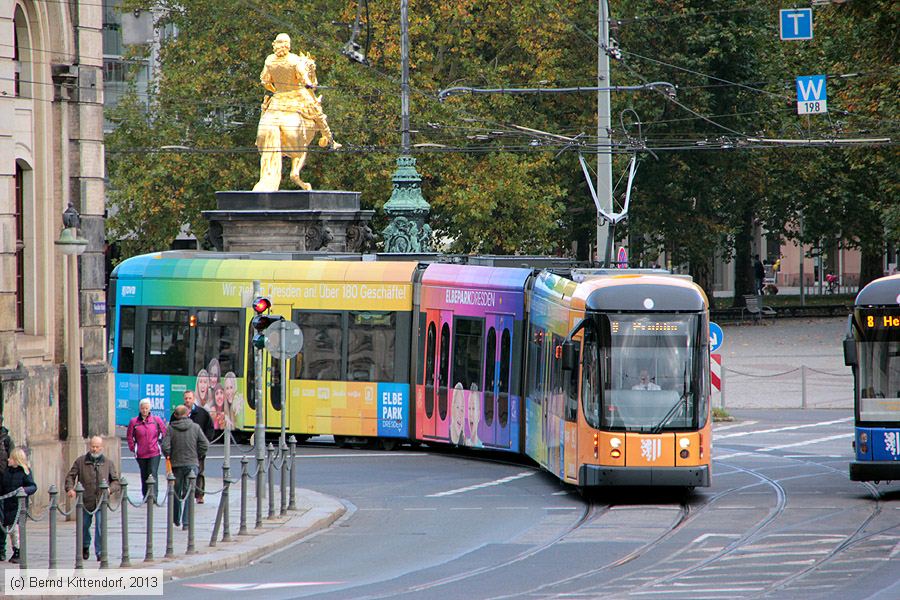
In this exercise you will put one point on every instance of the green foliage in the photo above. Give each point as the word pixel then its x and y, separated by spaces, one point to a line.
pixel 702 194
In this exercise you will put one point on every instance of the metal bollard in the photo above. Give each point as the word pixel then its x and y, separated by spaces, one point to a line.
pixel 104 530
pixel 170 516
pixel 226 498
pixel 192 483
pixel 293 443
pixel 151 496
pixel 126 558
pixel 245 476
pixel 51 516
pixel 284 468
pixel 23 534
pixel 79 524
pixel 270 459
pixel 260 489
pixel 803 403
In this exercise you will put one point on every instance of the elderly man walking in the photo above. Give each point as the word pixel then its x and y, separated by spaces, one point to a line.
pixel 185 446
pixel 91 469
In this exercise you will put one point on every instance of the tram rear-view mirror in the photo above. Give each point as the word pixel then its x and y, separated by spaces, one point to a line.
pixel 850 352
pixel 569 356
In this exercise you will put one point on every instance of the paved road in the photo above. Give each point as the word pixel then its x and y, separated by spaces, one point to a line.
pixel 765 365
pixel 782 520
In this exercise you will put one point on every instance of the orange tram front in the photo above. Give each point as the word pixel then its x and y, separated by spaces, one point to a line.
pixel 617 381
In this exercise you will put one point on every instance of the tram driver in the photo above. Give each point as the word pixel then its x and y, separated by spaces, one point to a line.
pixel 645 383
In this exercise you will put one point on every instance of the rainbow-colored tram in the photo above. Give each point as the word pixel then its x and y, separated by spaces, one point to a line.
pixel 508 359
pixel 872 349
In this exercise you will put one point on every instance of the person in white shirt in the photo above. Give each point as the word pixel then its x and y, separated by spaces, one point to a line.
pixel 645 383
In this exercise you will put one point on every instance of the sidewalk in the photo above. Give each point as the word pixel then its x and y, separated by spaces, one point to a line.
pixel 314 511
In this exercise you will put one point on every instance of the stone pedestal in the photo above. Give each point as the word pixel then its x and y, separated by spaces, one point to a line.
pixel 290 221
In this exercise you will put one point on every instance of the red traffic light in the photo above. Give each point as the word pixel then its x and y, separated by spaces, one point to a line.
pixel 261 305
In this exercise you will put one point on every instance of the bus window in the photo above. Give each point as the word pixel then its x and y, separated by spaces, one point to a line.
pixel 467 351
pixel 503 403
pixel 370 339
pixel 167 337
pixel 430 345
pixel 322 339
pixel 126 339
pixel 490 360
pixel 218 336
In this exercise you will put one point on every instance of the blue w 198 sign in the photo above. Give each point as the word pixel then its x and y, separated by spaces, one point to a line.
pixel 796 24
pixel 811 95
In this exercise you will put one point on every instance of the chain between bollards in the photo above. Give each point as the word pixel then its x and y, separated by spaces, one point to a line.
pixel 126 558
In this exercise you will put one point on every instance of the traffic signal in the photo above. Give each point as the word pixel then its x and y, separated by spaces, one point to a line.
pixel 261 321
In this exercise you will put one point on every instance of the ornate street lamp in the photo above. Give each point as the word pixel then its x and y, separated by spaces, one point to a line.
pixel 72 247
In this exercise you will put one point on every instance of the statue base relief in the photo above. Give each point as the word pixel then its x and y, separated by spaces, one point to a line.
pixel 290 221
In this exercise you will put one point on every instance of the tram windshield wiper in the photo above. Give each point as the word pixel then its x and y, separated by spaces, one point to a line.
pixel 672 412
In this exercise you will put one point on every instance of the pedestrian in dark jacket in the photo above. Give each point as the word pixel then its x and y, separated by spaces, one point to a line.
pixel 144 434
pixel 201 417
pixel 6 445
pixel 17 475
pixel 91 469
pixel 759 274
pixel 185 446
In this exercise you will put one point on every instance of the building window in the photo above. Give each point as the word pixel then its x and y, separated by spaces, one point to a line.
pixel 21 55
pixel 20 248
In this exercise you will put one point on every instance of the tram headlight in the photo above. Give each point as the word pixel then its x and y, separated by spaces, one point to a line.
pixel 615 453
pixel 863 437
pixel 684 443
pixel 615 442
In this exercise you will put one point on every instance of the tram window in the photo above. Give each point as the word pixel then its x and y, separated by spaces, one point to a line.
pixel 218 334
pixel 571 385
pixel 444 375
pixel 535 361
pixel 503 403
pixel 430 345
pixel 467 351
pixel 126 339
pixel 370 338
pixel 490 358
pixel 167 338
pixel 590 383
pixel 322 339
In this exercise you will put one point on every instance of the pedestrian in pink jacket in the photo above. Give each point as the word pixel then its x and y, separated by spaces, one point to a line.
pixel 144 433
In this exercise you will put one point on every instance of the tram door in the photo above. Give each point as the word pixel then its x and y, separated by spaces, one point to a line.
pixel 437 372
pixel 497 359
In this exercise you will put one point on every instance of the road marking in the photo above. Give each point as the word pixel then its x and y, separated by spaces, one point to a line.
pixel 706 536
pixel 733 425
pixel 777 429
pixel 240 587
pixel 482 485
pixel 807 442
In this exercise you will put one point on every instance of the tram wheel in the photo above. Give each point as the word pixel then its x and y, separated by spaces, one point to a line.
pixel 388 444
pixel 340 441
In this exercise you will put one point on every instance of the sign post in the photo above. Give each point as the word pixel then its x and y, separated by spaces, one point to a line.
pixel 812 97
pixel 283 341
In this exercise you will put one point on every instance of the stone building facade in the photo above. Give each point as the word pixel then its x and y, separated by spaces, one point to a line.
pixel 51 155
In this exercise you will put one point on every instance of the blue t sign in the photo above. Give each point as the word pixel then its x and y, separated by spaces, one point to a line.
pixel 796 24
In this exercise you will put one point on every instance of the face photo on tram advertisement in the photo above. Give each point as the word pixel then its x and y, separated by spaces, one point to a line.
pixel 653 367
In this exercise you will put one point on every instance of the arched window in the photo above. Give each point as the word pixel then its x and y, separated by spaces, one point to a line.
pixel 22 55
pixel 20 247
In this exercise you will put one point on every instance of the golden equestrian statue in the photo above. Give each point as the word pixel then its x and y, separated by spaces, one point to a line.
pixel 291 116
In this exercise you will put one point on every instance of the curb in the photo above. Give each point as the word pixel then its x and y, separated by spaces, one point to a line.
pixel 321 512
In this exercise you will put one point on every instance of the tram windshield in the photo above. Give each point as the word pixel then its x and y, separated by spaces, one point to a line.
pixel 653 373
pixel 878 353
